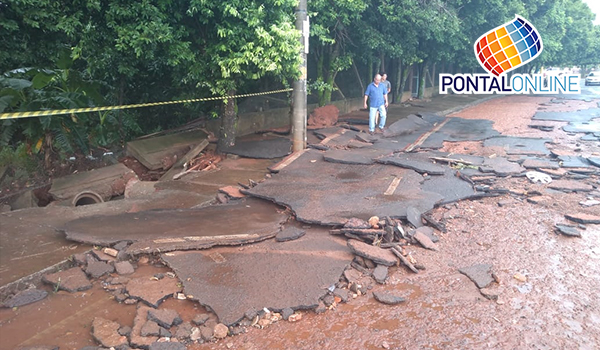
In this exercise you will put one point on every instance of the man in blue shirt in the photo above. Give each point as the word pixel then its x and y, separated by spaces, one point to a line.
pixel 378 101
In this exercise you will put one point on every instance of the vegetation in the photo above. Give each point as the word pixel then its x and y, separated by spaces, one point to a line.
pixel 77 53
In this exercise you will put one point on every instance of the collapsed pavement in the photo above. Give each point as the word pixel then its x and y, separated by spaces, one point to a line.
pixel 382 199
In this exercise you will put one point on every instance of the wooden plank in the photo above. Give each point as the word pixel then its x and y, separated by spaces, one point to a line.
pixel 178 166
pixel 151 151
pixel 286 161
pixel 425 136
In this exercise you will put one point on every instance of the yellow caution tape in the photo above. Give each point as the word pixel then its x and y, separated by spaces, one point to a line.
pixel 17 115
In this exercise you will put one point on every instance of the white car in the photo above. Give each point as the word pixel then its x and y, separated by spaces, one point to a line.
pixel 592 78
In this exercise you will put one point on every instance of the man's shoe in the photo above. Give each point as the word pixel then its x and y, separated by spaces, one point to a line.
pixel 371 132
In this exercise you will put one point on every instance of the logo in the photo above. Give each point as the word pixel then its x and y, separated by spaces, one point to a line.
pixel 502 50
pixel 508 46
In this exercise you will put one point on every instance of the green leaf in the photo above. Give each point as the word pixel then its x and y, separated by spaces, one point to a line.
pixel 41 80
pixel 14 83
pixel 5 102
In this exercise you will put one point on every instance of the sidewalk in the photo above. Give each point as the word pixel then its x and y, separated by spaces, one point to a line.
pixel 31 243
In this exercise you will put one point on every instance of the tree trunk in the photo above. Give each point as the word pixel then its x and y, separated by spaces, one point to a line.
pixel 405 68
pixel 369 70
pixel 228 124
pixel 382 63
pixel 422 72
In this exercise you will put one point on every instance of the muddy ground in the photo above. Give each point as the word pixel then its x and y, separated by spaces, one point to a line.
pixel 547 288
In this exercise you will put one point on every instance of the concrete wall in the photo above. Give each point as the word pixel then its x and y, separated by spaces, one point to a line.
pixel 249 123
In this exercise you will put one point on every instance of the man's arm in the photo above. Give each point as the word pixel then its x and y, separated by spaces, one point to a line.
pixel 385 98
pixel 366 100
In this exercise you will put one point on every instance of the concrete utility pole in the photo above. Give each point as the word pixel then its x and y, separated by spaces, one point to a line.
pixel 299 97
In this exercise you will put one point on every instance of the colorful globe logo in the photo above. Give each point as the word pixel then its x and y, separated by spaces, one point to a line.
pixel 508 46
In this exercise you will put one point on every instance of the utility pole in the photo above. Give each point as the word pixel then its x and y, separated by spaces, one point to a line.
pixel 299 96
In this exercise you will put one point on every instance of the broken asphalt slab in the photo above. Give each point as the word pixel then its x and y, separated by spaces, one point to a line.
pixel 269 274
pixel 365 156
pixel 419 162
pixel 480 274
pixel 262 149
pixel 519 145
pixel 153 291
pixel 330 194
pixel 243 222
pixel 459 129
pixel 584 115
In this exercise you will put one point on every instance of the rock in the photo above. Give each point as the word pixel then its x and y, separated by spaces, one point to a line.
pixel 152 292
pixel 387 298
pixel 480 274
pixel 374 222
pixel 80 259
pixel 491 293
pixel 380 274
pixel 352 275
pixel 164 333
pixel 106 332
pixel 184 331
pixel 519 277
pixel 98 269
pixel 125 330
pixel 289 234
pixel 378 255
pixel 25 297
pixel 287 312
pixel 328 300
pixel 167 346
pixel 568 230
pixel 413 215
pixel 233 192
pixel 206 333
pixel 71 280
pixel 323 117
pixel 165 317
pixel 385 345
pixel 200 319
pixel 356 223
pixel 117 280
pixel 196 334
pixel 424 241
pixel 121 245
pixel 220 331
pixel 124 268
pixel 342 294
pixel 136 338
pixel 321 308
pixel 150 328
pixel 369 263
pixel 222 198
pixel 295 317
pixel 428 231
pixel 100 255
pixel 582 218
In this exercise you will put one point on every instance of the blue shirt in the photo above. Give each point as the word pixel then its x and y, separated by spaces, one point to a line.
pixel 375 94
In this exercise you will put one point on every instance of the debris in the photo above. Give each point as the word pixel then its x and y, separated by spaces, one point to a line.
pixel 200 319
pixel 97 269
pixel 374 222
pixel 385 345
pixel 378 255
pixel 589 202
pixel 404 260
pixel 519 277
pixel 355 223
pixel 342 294
pixel 232 192
pixel 25 297
pixel 380 274
pixel 387 298
pixel 71 280
pixel 110 251
pixel 414 216
pixel 165 317
pixel 149 329
pixel 220 331
pixel 537 177
pixel 480 274
pixel 491 293
pixel 152 292
pixel 287 312
pixel 289 234
pixel 124 268
pixel 568 230
pixel 106 332
pixel 167 346
pixel 424 241
pixel 582 218
pixel 295 317
pixel 177 166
